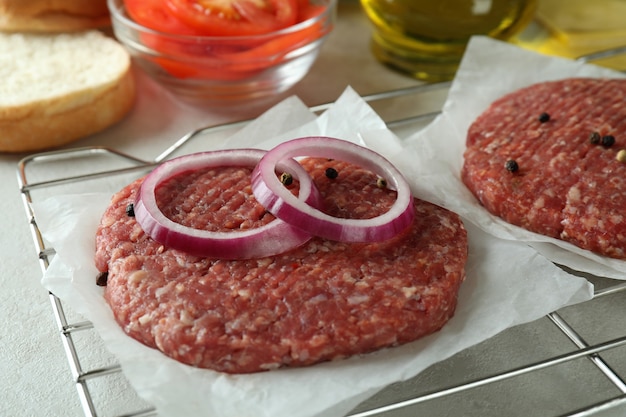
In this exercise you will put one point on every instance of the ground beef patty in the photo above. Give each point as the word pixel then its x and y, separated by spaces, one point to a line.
pixel 323 301
pixel 568 185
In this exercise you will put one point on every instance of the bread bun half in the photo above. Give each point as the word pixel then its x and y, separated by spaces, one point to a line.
pixel 52 15
pixel 55 89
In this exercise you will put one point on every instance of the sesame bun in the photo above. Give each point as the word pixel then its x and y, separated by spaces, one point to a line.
pixel 52 15
pixel 58 88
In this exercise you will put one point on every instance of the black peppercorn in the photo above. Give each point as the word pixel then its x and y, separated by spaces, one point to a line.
pixel 130 210
pixel 286 178
pixel 544 117
pixel 608 141
pixel 511 165
pixel 381 182
pixel 331 173
pixel 101 279
pixel 595 138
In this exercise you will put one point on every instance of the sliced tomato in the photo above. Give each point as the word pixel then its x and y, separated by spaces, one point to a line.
pixel 307 11
pixel 238 64
pixel 232 59
pixel 274 50
pixel 152 14
pixel 277 47
pixel 204 71
pixel 235 17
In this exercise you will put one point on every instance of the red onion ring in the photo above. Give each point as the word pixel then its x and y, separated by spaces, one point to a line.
pixel 273 238
pixel 277 200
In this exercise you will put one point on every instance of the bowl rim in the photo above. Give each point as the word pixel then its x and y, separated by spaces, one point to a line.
pixel 116 8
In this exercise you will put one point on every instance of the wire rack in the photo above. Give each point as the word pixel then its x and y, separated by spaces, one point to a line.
pixel 582 347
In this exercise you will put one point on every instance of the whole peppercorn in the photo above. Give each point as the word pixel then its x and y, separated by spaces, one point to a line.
pixel 621 155
pixel 286 178
pixel 595 138
pixel 608 141
pixel 331 173
pixel 130 210
pixel 511 165
pixel 544 117
pixel 381 182
pixel 101 279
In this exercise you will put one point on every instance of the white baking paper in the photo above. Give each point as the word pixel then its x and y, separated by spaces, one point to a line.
pixel 508 283
pixel 489 70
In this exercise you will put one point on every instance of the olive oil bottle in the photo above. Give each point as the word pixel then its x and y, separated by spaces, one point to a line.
pixel 427 38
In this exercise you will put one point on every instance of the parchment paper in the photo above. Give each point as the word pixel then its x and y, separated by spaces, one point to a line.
pixel 489 70
pixel 507 283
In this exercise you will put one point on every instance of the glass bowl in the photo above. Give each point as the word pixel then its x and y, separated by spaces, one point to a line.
pixel 225 68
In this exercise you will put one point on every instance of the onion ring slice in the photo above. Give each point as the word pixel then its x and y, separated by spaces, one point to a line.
pixel 270 239
pixel 270 193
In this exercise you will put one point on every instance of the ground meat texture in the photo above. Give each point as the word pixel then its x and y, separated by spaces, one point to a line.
pixel 566 186
pixel 322 301
pixel 229 207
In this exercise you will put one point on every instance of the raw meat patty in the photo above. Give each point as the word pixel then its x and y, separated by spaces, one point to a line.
pixel 567 186
pixel 323 301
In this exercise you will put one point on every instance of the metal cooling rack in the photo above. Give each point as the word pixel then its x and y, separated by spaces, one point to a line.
pixel 602 357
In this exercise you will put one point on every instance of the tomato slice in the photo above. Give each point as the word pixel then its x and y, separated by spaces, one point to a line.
pixel 230 60
pixel 152 14
pixel 235 17
pixel 205 71
pixel 227 65
pixel 275 49
pixel 308 10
